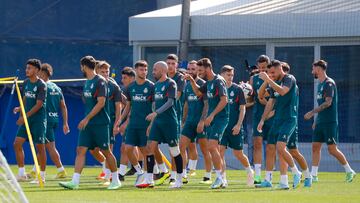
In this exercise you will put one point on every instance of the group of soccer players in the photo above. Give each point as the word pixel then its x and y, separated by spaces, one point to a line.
pixel 181 109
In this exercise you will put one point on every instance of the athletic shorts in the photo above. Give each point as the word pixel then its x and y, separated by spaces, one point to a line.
pixel 266 128
pixel 281 130
pixel 165 132
pixel 95 136
pixel 37 130
pixel 217 128
pixel 50 132
pixel 326 132
pixel 136 137
pixel 293 140
pixel 189 130
pixel 235 142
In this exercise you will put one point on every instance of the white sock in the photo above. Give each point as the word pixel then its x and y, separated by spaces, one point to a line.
pixel 184 173
pixel 347 168
pixel 314 170
pixel 257 169
pixel 107 174
pixel 268 176
pixel 284 179
pixel 207 175
pixel 103 166
pixel 248 170
pixel 122 169
pixel 163 168
pixel 138 169
pixel 306 173
pixel 156 169
pixel 295 170
pixel 42 174
pixel 21 171
pixel 61 169
pixel 192 164
pixel 76 178
pixel 114 177
pixel 224 175
pixel 218 174
pixel 178 177
pixel 173 175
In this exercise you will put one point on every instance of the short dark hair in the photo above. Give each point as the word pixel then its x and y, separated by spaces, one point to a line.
pixel 34 62
pixel 204 62
pixel 172 57
pixel 88 61
pixel 321 63
pixel 262 59
pixel 285 66
pixel 274 63
pixel 47 68
pixel 128 71
pixel 226 68
pixel 141 63
pixel 192 62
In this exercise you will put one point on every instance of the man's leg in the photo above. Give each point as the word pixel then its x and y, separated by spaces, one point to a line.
pixel 184 143
pixel 203 142
pixel 55 157
pixel 286 158
pixel 19 154
pixel 258 148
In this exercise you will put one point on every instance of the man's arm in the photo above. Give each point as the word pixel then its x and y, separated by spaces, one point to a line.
pixel 194 86
pixel 262 93
pixel 268 108
pixel 64 113
pixel 185 112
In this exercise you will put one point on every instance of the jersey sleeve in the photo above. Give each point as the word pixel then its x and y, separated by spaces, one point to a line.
pixel 242 100
pixel 220 85
pixel 203 88
pixel 127 93
pixel 117 94
pixel 41 92
pixel 288 81
pixel 101 88
pixel 329 89
pixel 152 92
pixel 171 90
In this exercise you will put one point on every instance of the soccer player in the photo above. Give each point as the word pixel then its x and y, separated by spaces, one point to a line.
pixel 293 139
pixel 326 124
pixel 94 128
pixel 195 111
pixel 34 98
pixel 164 120
pixel 258 109
pixel 218 112
pixel 285 119
pixel 115 107
pixel 234 133
pixel 140 95
pixel 54 101
pixel 127 77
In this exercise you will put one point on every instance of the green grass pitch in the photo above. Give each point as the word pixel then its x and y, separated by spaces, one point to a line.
pixel 331 188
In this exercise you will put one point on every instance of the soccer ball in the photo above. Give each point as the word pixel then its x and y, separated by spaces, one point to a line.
pixel 247 89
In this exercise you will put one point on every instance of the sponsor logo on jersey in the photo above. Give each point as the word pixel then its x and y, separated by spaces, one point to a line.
pixel 87 94
pixel 192 98
pixel 53 114
pixel 139 98
pixel 159 96
pixel 30 95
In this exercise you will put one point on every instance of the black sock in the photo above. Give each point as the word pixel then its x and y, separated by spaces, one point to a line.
pixel 141 163
pixel 150 161
pixel 179 163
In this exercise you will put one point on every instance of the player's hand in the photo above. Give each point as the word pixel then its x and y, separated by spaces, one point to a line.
pixel 260 126
pixel 20 121
pixel 200 127
pixel 208 120
pixel 66 129
pixel 83 124
pixel 187 76
pixel 16 110
pixel 313 126
pixel 148 131
pixel 309 115
pixel 236 130
pixel 151 116
pixel 122 129
pixel 116 130
pixel 264 76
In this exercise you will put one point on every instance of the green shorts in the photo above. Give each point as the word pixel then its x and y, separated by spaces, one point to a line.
pixel 37 130
pixel 111 134
pixel 136 137
pixel 281 130
pixel 326 132
pixel 50 132
pixel 95 136
pixel 165 132
pixel 217 128
pixel 266 128
pixel 189 130
pixel 235 142
pixel 293 140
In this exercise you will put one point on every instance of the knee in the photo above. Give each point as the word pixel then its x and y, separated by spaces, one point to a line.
pixel 257 144
pixel 174 151
pixel 332 150
pixel 80 152
pixel 316 148
pixel 17 145
pixel 129 149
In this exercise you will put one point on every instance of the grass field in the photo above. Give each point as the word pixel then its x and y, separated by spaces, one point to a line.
pixel 331 188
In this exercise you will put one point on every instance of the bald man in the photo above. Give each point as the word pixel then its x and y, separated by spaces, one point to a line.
pixel 164 122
